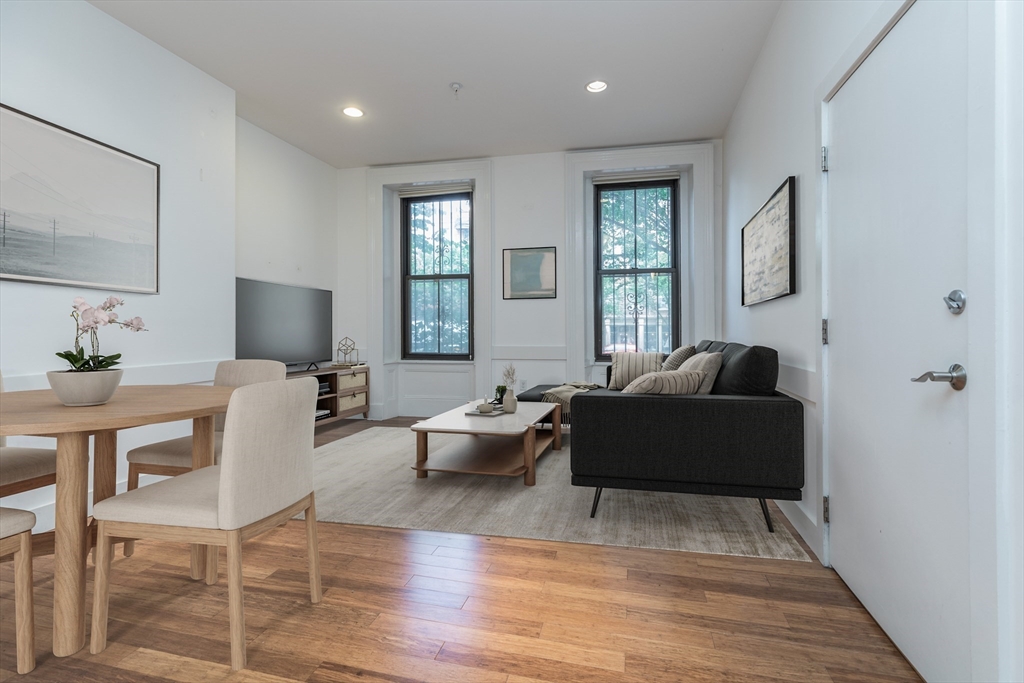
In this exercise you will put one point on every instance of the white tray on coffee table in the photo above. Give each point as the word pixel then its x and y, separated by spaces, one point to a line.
pixel 505 445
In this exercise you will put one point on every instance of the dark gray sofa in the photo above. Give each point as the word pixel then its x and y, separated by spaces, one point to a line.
pixel 743 439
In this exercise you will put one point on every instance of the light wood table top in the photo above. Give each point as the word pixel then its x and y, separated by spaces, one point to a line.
pixel 456 421
pixel 38 413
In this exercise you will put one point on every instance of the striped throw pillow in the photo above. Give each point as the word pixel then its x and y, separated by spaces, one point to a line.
pixel 676 358
pixel 678 382
pixel 709 363
pixel 626 367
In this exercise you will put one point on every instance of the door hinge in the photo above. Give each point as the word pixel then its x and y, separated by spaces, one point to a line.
pixel 824 330
pixel 824 513
pixel 824 159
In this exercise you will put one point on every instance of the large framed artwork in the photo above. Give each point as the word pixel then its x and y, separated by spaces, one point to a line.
pixel 769 248
pixel 529 273
pixel 75 211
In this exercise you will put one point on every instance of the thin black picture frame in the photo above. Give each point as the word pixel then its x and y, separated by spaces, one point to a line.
pixel 789 186
pixel 156 221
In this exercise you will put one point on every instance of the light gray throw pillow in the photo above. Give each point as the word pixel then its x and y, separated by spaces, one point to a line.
pixel 709 363
pixel 676 358
pixel 627 366
pixel 678 382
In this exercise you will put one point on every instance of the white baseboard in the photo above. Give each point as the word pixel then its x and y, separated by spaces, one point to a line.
pixel 805 526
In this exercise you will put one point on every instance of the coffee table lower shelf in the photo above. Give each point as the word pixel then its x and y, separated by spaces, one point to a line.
pixel 495 455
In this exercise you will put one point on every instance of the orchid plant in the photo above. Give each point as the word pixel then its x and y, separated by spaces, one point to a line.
pixel 88 320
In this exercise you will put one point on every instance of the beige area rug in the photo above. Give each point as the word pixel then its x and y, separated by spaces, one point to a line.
pixel 367 479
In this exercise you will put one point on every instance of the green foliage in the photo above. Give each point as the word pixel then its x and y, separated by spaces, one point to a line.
pixel 83 363
pixel 439 244
pixel 637 234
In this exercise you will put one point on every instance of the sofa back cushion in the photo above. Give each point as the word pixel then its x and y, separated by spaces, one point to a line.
pixel 746 370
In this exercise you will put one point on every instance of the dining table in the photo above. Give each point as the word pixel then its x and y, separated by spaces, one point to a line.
pixel 40 413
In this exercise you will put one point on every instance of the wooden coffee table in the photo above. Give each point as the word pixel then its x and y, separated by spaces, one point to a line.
pixel 505 445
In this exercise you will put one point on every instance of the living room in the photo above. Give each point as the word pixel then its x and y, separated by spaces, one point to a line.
pixel 262 176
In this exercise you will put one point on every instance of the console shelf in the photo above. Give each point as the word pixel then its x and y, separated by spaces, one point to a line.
pixel 349 392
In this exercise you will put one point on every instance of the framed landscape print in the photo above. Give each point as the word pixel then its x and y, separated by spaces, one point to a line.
pixel 75 211
pixel 529 273
pixel 769 248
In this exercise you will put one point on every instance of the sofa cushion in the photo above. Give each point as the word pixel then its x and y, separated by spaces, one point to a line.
pixel 746 370
pixel 709 364
pixel 626 367
pixel 676 382
pixel 676 358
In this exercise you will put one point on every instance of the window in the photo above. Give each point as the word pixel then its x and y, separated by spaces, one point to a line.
pixel 437 270
pixel 636 270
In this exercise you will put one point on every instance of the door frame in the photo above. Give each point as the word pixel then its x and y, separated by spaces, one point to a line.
pixel 995 320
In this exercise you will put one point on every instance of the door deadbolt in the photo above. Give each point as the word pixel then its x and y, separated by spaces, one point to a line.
pixel 956 301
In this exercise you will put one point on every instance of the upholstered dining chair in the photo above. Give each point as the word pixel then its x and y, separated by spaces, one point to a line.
pixel 16 538
pixel 265 478
pixel 24 469
pixel 174 456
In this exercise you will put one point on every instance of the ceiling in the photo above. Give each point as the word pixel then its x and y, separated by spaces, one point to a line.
pixel 674 70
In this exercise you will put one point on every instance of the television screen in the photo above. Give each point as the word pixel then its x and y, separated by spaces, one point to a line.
pixel 281 322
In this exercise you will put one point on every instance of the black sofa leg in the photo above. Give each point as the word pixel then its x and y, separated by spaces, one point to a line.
pixel 764 509
pixel 597 497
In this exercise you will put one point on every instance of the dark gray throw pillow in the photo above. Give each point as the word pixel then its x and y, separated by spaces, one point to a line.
pixel 676 358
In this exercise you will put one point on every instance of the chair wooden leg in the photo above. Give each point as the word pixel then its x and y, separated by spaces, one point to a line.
pixel 24 617
pixel 100 591
pixel 133 483
pixel 313 549
pixel 236 607
pixel 212 555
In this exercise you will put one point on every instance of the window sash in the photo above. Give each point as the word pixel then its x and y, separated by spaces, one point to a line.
pixel 635 313
pixel 408 279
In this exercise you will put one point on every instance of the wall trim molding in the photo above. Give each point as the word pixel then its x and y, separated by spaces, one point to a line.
pixel 193 372
pixel 529 353
pixel 800 383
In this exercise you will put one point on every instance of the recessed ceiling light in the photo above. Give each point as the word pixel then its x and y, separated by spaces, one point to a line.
pixel 596 86
pixel 354 112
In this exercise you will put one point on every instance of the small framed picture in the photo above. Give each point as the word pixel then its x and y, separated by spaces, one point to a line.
pixel 769 248
pixel 529 273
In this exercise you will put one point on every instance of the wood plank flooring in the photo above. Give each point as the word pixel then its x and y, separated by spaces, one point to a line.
pixel 405 606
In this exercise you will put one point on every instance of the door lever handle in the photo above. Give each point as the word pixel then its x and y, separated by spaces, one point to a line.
pixel 957 377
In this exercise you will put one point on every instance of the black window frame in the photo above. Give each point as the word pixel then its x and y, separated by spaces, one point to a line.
pixel 599 354
pixel 408 278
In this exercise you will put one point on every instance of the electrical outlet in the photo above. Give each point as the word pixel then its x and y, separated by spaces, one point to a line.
pixel 522 385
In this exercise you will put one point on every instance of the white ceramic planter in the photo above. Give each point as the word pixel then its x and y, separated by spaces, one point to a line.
pixel 84 388
pixel 510 403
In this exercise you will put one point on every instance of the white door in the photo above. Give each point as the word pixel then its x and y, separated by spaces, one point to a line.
pixel 897 240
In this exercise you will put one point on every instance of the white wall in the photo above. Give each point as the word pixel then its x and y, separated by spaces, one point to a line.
pixel 353 293
pixel 287 212
pixel 521 201
pixel 529 211
pixel 772 135
pixel 73 65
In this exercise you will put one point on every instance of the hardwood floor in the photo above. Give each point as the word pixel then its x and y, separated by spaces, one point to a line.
pixel 404 606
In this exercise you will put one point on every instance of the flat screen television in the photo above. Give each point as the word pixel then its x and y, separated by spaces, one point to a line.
pixel 290 324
